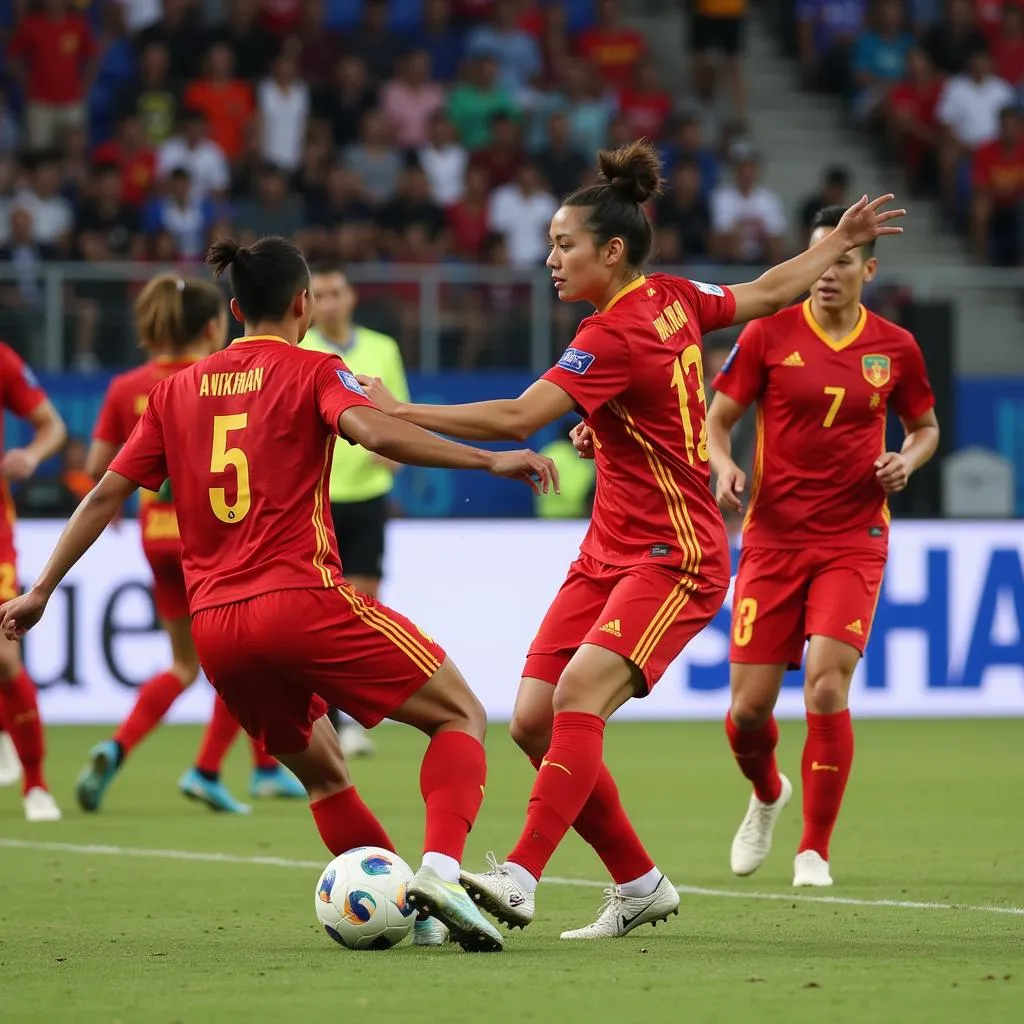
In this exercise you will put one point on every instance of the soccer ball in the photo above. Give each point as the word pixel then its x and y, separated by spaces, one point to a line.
pixel 360 899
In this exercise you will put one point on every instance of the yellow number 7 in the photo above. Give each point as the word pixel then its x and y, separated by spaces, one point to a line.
pixel 838 394
pixel 220 458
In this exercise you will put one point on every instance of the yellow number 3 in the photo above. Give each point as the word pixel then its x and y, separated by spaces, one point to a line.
pixel 743 628
pixel 838 394
pixel 220 459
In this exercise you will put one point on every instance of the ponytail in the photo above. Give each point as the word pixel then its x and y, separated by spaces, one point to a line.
pixel 172 312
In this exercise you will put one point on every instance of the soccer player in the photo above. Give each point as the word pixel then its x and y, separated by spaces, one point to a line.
pixel 823 375
pixel 21 394
pixel 246 437
pixel 360 480
pixel 179 322
pixel 654 566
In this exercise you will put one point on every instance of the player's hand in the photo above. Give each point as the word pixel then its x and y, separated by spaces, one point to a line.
pixel 892 472
pixel 19 615
pixel 866 221
pixel 19 464
pixel 582 438
pixel 729 489
pixel 536 470
pixel 377 392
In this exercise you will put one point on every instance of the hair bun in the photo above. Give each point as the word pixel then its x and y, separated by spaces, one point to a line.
pixel 633 170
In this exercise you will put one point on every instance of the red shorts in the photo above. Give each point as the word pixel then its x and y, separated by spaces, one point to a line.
pixel 8 569
pixel 785 595
pixel 646 613
pixel 281 660
pixel 169 594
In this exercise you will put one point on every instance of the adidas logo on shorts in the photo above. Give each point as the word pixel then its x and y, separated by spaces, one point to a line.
pixel 614 628
pixel 856 627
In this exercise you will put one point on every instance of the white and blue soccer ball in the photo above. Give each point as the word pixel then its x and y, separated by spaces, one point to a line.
pixel 361 899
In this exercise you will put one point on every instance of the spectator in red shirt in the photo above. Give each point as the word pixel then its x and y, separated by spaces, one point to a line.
pixel 614 48
pixel 503 155
pixel 1008 49
pixel 914 130
pixel 279 17
pixel 226 101
pixel 645 104
pixel 53 58
pixel 133 158
pixel 997 211
pixel 467 219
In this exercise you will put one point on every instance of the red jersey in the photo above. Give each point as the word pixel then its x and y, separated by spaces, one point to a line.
pixel 821 415
pixel 635 373
pixel 246 437
pixel 123 405
pixel 1001 171
pixel 21 394
pixel 614 52
pixel 56 52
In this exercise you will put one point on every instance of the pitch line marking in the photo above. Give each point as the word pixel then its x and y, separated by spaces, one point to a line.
pixel 579 883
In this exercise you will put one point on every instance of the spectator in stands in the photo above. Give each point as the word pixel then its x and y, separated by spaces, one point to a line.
pixel 612 47
pixel 747 220
pixel 115 65
pixel 968 110
pixel 153 96
pixel 133 157
pixel 252 45
pixel 346 101
pixel 997 212
pixel 375 42
pixel 469 13
pixel 183 213
pixel 561 165
pixel 21 298
pixel 411 99
pixel 503 155
pixel 140 14
pixel 555 45
pixel 474 102
pixel 521 211
pixel 1008 49
pixel 880 60
pixel 342 203
pixel 310 178
pixel 316 46
pixel 273 210
pixel 826 32
pixel 108 227
pixel 591 106
pixel 950 41
pixel 283 103
pixel 52 57
pixel 413 205
pixel 913 124
pixel 52 215
pixel 280 17
pixel 441 41
pixel 468 218
pixel 684 141
pixel 444 160
pixel 718 26
pixel 180 33
pixel 199 155
pixel 645 104
pixel 516 52
pixel 683 213
pixel 833 191
pixel 226 100
pixel 74 164
pixel 374 159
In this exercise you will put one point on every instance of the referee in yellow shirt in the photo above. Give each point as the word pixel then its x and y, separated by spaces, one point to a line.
pixel 360 480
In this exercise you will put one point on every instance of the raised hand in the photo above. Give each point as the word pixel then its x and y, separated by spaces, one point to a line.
pixel 378 393
pixel 866 221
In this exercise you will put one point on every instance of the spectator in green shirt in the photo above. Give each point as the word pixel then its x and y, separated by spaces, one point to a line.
pixel 473 103
pixel 360 480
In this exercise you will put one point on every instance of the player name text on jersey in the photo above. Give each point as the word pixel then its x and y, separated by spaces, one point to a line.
pixel 672 319
pixel 238 383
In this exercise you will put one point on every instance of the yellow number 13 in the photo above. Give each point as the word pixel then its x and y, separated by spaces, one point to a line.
pixel 680 368
pixel 221 457
pixel 838 394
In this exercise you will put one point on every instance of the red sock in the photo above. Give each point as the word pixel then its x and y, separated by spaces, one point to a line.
pixel 564 783
pixel 754 750
pixel 452 779
pixel 220 734
pixel 604 824
pixel 828 757
pixel 152 702
pixel 345 822
pixel 20 714
pixel 261 760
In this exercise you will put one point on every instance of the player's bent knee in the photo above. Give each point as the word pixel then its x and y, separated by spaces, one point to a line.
pixel 531 733
pixel 827 692
pixel 753 711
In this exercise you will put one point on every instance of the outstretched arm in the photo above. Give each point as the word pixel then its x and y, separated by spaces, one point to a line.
pixel 91 517
pixel 50 435
pixel 506 419
pixel 776 288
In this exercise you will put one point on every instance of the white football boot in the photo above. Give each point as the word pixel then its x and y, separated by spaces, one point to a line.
pixel 10 765
pixel 428 931
pixel 40 806
pixel 498 892
pixel 620 914
pixel 753 841
pixel 354 740
pixel 810 868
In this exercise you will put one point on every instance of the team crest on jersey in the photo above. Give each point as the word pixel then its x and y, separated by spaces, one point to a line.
pixel 575 360
pixel 708 289
pixel 349 380
pixel 876 369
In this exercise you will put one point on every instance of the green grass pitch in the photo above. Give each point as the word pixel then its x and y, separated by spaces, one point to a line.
pixel 138 932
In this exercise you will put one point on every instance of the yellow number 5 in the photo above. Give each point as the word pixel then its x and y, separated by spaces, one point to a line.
pixel 838 394
pixel 743 629
pixel 220 459
pixel 689 360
